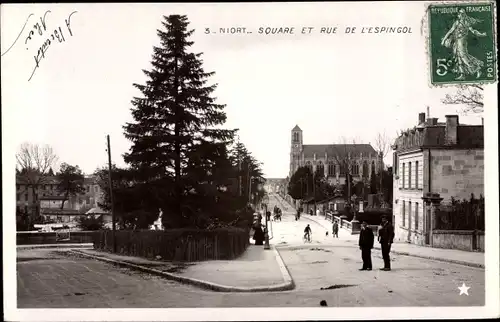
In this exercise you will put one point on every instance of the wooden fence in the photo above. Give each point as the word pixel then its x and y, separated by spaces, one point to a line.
pixel 177 244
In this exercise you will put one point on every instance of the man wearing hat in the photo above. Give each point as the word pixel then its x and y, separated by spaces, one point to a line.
pixel 366 244
pixel 386 237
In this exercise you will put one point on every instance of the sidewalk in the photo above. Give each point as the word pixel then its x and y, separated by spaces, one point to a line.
pixel 474 259
pixel 257 270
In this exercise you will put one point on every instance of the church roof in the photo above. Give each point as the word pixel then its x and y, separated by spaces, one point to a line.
pixel 339 150
pixel 296 128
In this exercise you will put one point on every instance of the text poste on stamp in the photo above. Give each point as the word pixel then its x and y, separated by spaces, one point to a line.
pixel 462 47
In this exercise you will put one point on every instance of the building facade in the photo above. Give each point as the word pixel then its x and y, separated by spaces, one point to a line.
pixel 329 158
pixel 274 185
pixel 50 199
pixel 445 158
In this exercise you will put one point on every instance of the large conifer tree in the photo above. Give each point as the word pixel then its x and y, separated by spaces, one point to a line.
pixel 176 129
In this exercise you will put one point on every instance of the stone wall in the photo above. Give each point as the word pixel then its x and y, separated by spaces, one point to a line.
pixel 457 173
pixel 458 239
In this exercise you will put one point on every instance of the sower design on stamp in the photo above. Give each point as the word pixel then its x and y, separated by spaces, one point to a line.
pixel 462 43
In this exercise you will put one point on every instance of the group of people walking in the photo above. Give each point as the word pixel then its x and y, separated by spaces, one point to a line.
pixel 277 213
pixel 366 241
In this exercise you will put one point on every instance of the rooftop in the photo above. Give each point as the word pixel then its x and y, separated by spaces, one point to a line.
pixel 432 134
pixel 339 150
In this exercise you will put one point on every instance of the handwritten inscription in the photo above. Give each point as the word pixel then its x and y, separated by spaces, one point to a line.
pixel 52 36
pixel 40 31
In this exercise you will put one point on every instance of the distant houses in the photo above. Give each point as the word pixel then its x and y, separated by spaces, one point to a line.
pixel 50 199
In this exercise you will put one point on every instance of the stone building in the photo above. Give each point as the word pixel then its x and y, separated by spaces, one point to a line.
pixel 445 158
pixel 330 157
pixel 50 199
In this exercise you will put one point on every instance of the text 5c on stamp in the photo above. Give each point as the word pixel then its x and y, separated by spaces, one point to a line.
pixel 462 47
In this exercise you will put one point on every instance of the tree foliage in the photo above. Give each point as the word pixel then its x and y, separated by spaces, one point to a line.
pixel 179 147
pixel 470 97
pixel 71 181
pixel 90 222
pixel 299 183
pixel 33 165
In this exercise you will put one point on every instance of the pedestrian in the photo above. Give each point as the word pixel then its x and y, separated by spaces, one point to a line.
pixel 318 212
pixel 258 235
pixel 335 230
pixel 366 239
pixel 385 238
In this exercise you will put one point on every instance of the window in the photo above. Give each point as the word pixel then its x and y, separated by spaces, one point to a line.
pixel 395 162
pixel 355 169
pixel 331 169
pixel 320 168
pixel 409 175
pixel 416 175
pixel 365 169
pixel 403 212
pixel 416 215
pixel 342 169
pixel 403 175
pixel 409 215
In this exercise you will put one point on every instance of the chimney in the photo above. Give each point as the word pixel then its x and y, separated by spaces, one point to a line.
pixel 450 134
pixel 421 118
pixel 432 121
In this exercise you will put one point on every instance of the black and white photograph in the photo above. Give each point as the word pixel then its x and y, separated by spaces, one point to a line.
pixel 250 161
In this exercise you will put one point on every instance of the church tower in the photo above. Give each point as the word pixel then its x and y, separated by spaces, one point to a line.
pixel 295 149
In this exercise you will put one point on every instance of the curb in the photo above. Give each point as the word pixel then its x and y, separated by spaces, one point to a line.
pixel 284 270
pixel 439 259
pixel 84 245
pixel 288 285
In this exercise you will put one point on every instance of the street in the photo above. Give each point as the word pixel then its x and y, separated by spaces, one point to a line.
pixel 325 269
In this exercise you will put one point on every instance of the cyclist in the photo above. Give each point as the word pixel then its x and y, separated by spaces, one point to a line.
pixel 307 233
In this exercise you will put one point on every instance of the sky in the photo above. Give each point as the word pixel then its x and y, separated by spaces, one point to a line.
pixel 334 86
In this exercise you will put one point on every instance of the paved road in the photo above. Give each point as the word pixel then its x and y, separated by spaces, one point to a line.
pixel 49 278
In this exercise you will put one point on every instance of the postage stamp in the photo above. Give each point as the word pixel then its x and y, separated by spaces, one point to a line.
pixel 462 48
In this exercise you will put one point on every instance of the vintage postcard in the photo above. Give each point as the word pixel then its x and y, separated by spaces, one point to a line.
pixel 250 161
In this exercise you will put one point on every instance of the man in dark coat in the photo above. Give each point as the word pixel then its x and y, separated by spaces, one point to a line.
pixel 386 237
pixel 335 229
pixel 366 239
pixel 258 235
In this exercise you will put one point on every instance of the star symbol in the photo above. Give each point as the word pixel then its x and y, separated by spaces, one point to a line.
pixel 464 289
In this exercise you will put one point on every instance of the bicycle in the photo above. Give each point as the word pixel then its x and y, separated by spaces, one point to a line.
pixel 307 238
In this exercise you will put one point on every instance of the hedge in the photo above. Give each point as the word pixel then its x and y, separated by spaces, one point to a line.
pixel 177 244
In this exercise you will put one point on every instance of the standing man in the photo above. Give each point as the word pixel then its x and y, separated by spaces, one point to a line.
pixel 366 239
pixel 386 237
pixel 335 231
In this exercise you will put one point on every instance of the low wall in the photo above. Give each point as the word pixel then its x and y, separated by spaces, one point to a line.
pixel 177 244
pixel 458 239
pixel 41 238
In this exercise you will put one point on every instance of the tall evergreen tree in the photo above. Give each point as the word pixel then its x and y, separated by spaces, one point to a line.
pixel 176 121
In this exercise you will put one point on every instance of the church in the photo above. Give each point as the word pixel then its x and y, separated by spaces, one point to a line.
pixel 335 160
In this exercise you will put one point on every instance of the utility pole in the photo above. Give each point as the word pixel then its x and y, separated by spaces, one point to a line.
pixel 111 196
